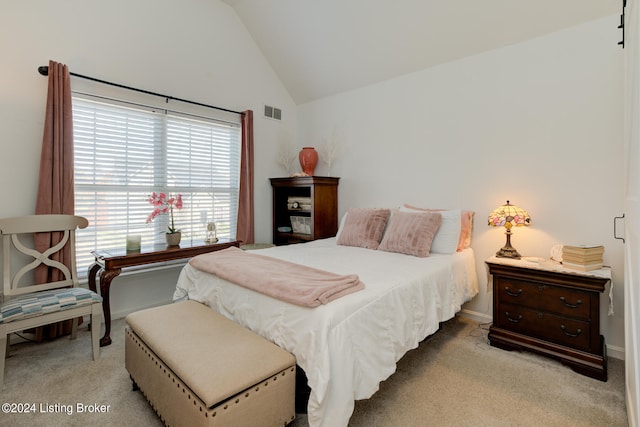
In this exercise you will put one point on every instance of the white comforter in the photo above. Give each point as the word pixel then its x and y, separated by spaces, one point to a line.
pixel 350 345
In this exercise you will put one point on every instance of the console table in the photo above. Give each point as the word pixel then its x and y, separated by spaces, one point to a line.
pixel 109 263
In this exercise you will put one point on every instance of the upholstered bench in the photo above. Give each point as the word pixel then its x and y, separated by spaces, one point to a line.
pixel 198 368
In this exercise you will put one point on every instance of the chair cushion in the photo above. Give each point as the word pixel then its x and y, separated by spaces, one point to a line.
pixel 39 303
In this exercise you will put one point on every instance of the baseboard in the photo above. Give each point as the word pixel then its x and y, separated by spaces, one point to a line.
pixel 615 352
pixel 476 316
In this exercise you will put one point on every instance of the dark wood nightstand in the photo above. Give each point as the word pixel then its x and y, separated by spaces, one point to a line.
pixel 551 310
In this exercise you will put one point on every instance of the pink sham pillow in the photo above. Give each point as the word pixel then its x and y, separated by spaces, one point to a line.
pixel 411 233
pixel 363 227
pixel 466 225
pixel 465 231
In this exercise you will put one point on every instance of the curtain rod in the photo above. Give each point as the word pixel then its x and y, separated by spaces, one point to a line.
pixel 44 70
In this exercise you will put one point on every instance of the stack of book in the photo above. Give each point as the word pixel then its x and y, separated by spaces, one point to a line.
pixel 582 257
pixel 299 203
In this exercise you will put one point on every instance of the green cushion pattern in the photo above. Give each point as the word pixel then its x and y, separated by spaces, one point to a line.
pixel 40 303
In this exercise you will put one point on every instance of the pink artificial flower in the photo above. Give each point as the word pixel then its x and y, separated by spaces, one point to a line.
pixel 161 204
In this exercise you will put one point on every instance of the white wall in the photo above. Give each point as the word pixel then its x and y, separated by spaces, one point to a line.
pixel 192 49
pixel 538 123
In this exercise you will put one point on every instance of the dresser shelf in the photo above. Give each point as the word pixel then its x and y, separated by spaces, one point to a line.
pixel 322 213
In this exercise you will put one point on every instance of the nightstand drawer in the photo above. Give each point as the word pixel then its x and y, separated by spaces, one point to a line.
pixel 560 330
pixel 556 299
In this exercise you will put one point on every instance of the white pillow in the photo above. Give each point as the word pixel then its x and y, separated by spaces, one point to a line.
pixel 341 226
pixel 446 239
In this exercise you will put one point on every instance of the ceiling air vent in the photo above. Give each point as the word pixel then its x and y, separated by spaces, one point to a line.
pixel 272 112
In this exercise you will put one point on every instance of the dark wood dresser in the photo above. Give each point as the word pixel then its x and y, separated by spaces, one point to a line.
pixel 551 310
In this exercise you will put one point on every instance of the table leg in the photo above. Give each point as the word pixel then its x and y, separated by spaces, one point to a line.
pixel 93 270
pixel 106 276
pixel 91 275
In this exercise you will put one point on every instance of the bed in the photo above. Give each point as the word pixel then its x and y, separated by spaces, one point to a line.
pixel 348 346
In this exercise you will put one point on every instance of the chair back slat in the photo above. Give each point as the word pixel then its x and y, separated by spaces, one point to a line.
pixel 15 231
pixel 40 258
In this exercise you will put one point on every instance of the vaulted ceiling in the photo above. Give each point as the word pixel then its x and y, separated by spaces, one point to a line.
pixel 322 47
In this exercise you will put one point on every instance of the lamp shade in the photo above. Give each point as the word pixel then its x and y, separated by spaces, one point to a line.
pixel 508 216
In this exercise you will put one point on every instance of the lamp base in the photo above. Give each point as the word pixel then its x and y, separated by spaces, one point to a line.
pixel 508 252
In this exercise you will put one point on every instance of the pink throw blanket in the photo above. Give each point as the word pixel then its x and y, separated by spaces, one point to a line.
pixel 284 280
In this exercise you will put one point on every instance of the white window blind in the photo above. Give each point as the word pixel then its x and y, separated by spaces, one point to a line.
pixel 125 152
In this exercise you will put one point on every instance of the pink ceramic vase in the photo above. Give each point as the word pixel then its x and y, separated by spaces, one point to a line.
pixel 308 160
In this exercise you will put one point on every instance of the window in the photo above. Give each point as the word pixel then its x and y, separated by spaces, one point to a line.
pixel 124 152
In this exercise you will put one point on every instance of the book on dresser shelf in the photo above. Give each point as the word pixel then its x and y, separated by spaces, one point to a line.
pixel 588 259
pixel 583 250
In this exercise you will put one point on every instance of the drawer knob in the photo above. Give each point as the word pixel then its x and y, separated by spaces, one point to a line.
pixel 578 331
pixel 564 301
pixel 512 294
pixel 511 319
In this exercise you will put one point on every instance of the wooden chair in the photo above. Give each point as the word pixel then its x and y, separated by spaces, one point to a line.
pixel 25 306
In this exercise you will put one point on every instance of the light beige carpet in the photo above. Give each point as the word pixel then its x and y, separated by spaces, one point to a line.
pixel 454 378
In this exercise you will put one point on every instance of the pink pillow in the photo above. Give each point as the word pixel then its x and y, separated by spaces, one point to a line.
pixel 465 232
pixel 363 227
pixel 411 233
pixel 466 222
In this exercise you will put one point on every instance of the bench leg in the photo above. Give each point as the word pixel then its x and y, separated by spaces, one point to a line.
pixel 134 385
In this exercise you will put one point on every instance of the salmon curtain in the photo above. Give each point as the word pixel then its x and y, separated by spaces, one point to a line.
pixel 55 186
pixel 245 228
